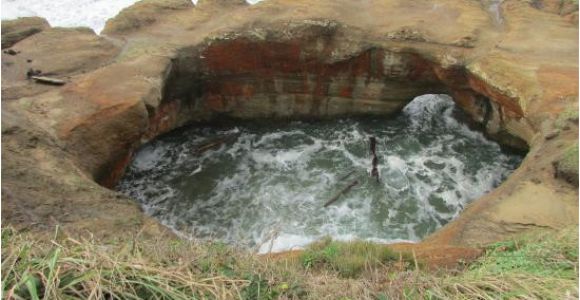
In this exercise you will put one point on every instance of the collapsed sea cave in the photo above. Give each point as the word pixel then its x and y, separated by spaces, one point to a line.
pixel 187 142
pixel 302 117
pixel 276 186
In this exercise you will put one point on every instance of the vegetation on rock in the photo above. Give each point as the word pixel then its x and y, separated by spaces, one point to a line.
pixel 350 259
pixel 567 165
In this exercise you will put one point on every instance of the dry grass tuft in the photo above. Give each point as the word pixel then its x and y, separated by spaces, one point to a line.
pixel 543 265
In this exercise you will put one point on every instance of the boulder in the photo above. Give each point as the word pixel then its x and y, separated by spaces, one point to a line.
pixel 143 13
pixel 13 31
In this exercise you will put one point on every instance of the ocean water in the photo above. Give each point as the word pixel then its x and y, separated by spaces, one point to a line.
pixel 264 187
pixel 69 13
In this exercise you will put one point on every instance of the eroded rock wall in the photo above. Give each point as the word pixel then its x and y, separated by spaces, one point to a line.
pixel 245 79
pixel 174 64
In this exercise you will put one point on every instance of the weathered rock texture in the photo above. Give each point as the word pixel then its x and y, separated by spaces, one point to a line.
pixel 165 63
pixel 14 31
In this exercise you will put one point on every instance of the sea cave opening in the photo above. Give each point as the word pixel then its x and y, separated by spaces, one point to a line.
pixel 267 185
pixel 267 144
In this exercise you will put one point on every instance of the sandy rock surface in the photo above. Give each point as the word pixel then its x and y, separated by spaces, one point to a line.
pixel 163 63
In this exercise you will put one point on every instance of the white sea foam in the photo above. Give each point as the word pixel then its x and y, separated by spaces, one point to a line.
pixel 289 242
pixel 266 190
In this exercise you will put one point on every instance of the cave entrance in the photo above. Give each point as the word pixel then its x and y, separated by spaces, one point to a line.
pixel 306 78
pixel 303 111
pixel 265 184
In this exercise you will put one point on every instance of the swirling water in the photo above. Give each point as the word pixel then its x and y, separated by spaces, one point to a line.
pixel 265 187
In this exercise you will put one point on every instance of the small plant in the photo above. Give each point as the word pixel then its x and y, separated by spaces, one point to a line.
pixel 543 265
pixel 570 158
pixel 219 259
pixel 567 165
pixel 349 259
pixel 258 289
pixel 539 256
pixel 566 118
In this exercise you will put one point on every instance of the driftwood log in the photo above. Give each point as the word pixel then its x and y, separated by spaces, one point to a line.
pixel 344 191
pixel 48 80
pixel 216 143
pixel 373 145
pixel 375 161
pixel 347 175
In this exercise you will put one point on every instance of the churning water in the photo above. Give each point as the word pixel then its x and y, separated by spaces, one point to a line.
pixel 265 186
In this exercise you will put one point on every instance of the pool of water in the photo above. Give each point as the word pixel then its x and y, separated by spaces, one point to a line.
pixel 264 186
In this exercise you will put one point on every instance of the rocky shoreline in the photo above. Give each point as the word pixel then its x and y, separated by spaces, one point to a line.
pixel 161 64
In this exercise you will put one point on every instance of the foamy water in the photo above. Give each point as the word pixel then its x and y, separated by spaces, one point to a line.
pixel 69 13
pixel 266 187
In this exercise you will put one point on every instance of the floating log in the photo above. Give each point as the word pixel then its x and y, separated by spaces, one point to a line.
pixel 216 143
pixel 375 171
pixel 375 161
pixel 344 191
pixel 210 145
pixel 373 145
pixel 347 175
pixel 48 80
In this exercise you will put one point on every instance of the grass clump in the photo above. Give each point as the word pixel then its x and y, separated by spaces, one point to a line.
pixel 569 161
pixel 538 255
pixel 567 165
pixel 85 269
pixel 541 265
pixel 349 259
pixel 566 118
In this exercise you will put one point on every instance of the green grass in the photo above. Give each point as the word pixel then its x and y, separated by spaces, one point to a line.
pixel 541 265
pixel 569 161
pixel 86 269
pixel 349 259
pixel 566 118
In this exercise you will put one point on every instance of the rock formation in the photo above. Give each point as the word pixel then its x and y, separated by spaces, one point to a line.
pixel 161 64
pixel 13 31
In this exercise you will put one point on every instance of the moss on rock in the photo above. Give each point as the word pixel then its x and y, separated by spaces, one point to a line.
pixel 567 166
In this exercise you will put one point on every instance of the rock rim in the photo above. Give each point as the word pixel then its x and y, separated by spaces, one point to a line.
pixel 161 64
